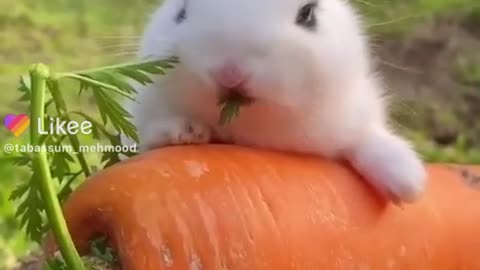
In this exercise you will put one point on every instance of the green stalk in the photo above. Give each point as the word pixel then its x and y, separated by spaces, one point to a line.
pixel 96 83
pixel 62 108
pixel 39 74
pixel 112 67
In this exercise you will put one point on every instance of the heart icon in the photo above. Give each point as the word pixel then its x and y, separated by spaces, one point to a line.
pixel 17 124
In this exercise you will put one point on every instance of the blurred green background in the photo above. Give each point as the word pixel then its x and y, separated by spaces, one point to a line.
pixel 429 51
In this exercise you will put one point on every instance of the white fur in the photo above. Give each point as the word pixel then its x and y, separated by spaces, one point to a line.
pixel 315 92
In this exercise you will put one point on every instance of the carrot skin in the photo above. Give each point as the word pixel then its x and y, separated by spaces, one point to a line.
pixel 223 207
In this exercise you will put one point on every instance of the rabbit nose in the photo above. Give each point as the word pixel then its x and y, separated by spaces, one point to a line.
pixel 229 75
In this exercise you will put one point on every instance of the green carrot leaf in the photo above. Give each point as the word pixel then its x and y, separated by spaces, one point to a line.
pixel 30 210
pixel 230 106
pixel 24 88
pixel 112 111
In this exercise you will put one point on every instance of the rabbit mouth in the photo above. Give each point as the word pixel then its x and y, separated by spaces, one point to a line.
pixel 239 95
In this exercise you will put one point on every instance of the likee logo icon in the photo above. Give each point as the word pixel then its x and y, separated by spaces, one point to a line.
pixel 17 124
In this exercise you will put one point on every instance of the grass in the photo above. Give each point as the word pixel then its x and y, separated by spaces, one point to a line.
pixel 400 16
pixel 67 35
pixel 51 29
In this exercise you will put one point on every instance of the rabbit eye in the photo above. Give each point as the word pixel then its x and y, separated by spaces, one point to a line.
pixel 181 16
pixel 306 16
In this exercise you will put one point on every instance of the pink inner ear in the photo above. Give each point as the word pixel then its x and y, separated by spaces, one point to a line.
pixel 9 119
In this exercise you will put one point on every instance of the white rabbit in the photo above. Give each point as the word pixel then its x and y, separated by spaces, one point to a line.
pixel 305 64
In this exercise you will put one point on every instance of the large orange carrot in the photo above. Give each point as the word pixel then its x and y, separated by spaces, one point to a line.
pixel 230 208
